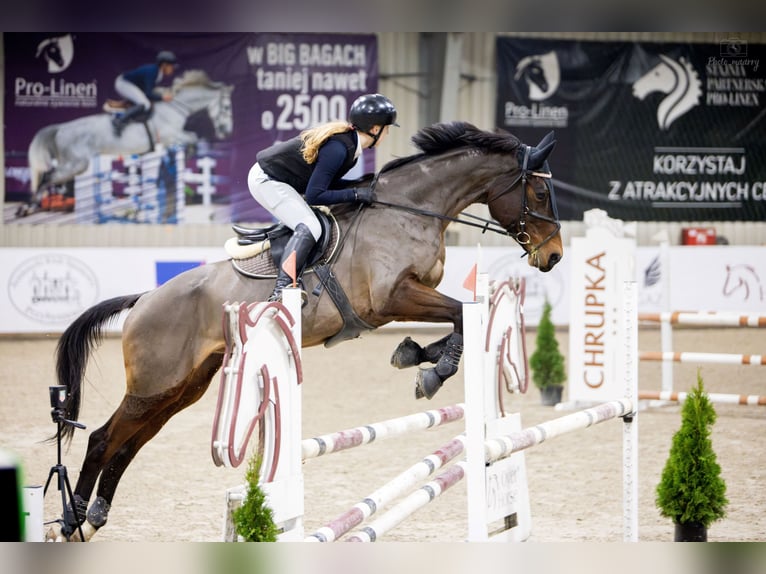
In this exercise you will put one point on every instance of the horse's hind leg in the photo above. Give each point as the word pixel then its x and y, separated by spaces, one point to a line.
pixel 150 414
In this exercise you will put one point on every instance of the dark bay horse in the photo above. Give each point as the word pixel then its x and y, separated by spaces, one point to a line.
pixel 390 262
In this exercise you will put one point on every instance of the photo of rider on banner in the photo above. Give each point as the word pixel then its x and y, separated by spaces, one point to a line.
pixel 162 131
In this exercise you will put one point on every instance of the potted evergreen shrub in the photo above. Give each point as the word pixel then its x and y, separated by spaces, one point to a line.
pixel 691 491
pixel 254 520
pixel 547 362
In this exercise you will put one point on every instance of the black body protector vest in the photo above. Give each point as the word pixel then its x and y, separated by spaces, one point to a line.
pixel 284 161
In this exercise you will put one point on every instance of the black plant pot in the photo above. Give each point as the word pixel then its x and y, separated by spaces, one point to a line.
pixel 690 532
pixel 551 395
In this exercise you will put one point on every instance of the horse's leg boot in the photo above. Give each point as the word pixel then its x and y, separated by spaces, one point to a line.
pixel 302 242
pixel 98 512
pixel 409 353
pixel 428 381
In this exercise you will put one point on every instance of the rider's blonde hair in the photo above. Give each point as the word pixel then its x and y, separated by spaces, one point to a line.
pixel 313 138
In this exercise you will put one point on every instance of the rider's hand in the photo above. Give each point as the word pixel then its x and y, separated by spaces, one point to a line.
pixel 364 195
pixel 167 96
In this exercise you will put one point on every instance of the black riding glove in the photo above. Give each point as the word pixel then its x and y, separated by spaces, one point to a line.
pixel 364 195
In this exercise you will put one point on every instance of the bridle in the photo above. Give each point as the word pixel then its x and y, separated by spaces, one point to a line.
pixel 521 236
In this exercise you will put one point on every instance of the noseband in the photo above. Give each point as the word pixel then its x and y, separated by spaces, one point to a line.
pixel 521 236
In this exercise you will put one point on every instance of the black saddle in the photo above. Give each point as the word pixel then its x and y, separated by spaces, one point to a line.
pixel 279 233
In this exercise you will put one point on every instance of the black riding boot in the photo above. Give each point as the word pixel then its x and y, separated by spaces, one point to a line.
pixel 120 121
pixel 302 242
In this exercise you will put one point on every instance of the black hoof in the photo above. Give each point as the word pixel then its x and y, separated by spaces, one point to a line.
pixel 98 512
pixel 427 383
pixel 407 354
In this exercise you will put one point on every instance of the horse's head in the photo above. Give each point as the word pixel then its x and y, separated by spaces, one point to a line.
pixel 530 215
pixel 195 91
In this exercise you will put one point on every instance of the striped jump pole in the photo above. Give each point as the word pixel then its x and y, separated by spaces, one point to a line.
pixel 416 500
pixel 392 490
pixel 502 447
pixel 700 319
pixel 706 319
pixel 725 398
pixel 358 436
pixel 708 358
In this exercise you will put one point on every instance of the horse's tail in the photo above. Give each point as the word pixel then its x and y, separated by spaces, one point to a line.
pixel 42 151
pixel 76 344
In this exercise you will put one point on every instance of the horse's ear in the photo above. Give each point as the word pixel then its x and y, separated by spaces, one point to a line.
pixel 538 155
pixel 549 137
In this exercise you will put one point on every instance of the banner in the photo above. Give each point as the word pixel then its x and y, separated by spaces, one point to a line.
pixel 645 131
pixel 235 94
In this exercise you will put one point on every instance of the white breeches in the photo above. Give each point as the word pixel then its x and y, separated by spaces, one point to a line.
pixel 132 92
pixel 282 201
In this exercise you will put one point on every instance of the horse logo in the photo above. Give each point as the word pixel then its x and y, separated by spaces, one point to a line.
pixel 678 80
pixel 743 279
pixel 541 73
pixel 57 51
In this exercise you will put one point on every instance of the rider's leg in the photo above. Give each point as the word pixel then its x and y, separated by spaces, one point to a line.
pixel 287 206
pixel 301 243
pixel 132 93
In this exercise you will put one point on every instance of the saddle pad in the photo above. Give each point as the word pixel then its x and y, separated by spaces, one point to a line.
pixel 261 265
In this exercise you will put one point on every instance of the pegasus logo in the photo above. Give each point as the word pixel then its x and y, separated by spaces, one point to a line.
pixel 679 80
pixel 541 73
pixel 57 51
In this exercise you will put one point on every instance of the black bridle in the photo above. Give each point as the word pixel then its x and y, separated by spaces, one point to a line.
pixel 521 236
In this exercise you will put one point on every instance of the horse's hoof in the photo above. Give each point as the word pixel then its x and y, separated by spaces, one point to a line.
pixel 98 512
pixel 407 354
pixel 427 383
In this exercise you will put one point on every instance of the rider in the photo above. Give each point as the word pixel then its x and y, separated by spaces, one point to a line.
pixel 310 165
pixel 137 86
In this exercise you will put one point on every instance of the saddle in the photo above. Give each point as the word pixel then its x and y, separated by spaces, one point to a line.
pixel 258 252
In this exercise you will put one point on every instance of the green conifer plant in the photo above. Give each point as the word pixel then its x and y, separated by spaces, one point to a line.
pixel 547 362
pixel 691 491
pixel 254 520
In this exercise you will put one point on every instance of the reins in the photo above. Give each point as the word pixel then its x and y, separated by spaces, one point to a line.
pixel 521 237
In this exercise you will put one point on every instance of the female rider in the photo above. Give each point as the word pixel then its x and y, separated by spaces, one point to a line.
pixel 289 176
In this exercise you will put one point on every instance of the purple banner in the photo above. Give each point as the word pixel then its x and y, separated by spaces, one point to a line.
pixel 234 95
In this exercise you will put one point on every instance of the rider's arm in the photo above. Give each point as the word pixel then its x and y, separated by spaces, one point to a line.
pixel 329 161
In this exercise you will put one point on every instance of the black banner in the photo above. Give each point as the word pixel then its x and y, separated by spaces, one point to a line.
pixel 646 131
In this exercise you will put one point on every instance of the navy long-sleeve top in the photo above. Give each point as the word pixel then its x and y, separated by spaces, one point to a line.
pixel 146 78
pixel 284 162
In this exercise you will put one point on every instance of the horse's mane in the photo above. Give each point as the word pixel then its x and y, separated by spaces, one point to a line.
pixel 193 78
pixel 443 137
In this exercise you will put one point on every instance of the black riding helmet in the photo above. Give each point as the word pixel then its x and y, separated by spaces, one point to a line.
pixel 372 110
pixel 166 57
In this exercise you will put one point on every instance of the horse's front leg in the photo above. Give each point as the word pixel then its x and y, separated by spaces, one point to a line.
pixel 414 301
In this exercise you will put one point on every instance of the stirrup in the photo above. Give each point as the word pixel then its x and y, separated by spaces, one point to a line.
pixel 276 296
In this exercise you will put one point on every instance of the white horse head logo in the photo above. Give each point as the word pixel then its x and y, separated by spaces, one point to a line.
pixel 541 73
pixel 57 51
pixel 679 80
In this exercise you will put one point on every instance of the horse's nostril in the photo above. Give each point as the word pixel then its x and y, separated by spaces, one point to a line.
pixel 553 259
